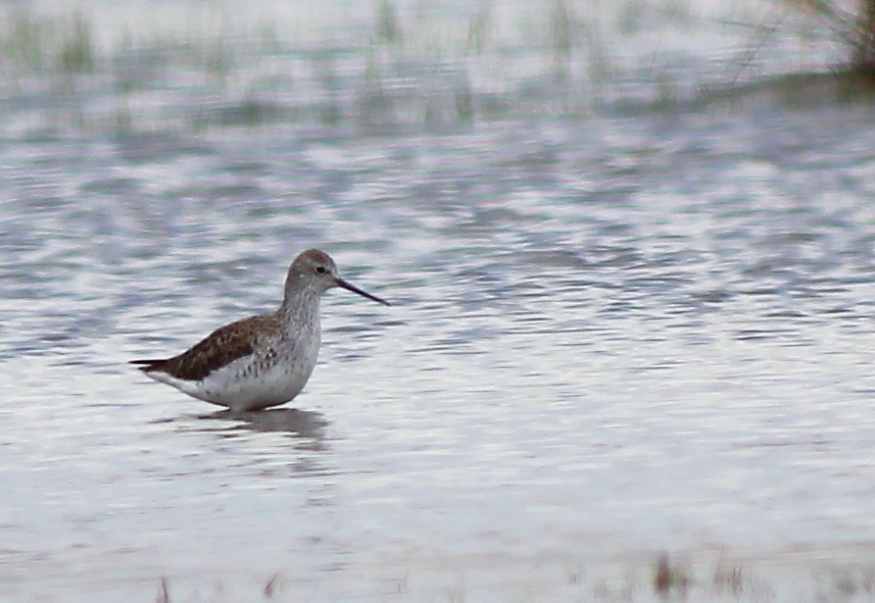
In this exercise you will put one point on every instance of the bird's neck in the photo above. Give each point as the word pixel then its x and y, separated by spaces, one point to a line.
pixel 300 306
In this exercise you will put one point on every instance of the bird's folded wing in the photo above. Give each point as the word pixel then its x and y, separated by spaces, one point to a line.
pixel 221 347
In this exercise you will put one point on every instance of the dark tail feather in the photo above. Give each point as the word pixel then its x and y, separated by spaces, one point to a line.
pixel 147 365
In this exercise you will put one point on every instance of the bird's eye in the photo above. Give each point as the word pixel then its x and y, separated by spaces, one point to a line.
pixel 321 269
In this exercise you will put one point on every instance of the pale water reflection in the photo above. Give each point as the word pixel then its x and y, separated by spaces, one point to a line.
pixel 301 424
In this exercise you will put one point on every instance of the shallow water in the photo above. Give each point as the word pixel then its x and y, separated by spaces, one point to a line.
pixel 610 338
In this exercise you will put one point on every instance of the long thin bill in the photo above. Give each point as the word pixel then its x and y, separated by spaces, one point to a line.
pixel 354 289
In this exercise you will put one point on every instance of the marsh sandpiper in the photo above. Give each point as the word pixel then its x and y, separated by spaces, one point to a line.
pixel 264 360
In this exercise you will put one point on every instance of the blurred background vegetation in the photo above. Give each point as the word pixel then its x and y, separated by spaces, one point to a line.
pixel 391 63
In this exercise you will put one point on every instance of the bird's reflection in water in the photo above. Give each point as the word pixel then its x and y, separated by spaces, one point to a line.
pixel 305 425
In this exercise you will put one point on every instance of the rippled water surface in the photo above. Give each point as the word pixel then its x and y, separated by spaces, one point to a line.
pixel 611 338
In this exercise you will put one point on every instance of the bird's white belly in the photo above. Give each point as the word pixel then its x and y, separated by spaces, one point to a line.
pixel 243 385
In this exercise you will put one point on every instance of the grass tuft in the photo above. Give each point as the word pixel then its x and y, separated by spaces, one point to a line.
pixel 163 594
pixel 668 578
pixel 388 27
pixel 729 579
pixel 77 46
pixel 856 30
pixel 36 43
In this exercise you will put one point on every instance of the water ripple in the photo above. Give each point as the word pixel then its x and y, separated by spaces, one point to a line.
pixel 659 341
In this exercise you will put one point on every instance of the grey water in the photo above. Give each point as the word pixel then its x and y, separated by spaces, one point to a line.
pixel 613 338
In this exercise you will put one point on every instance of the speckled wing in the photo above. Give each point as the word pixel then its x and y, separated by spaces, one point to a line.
pixel 221 347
